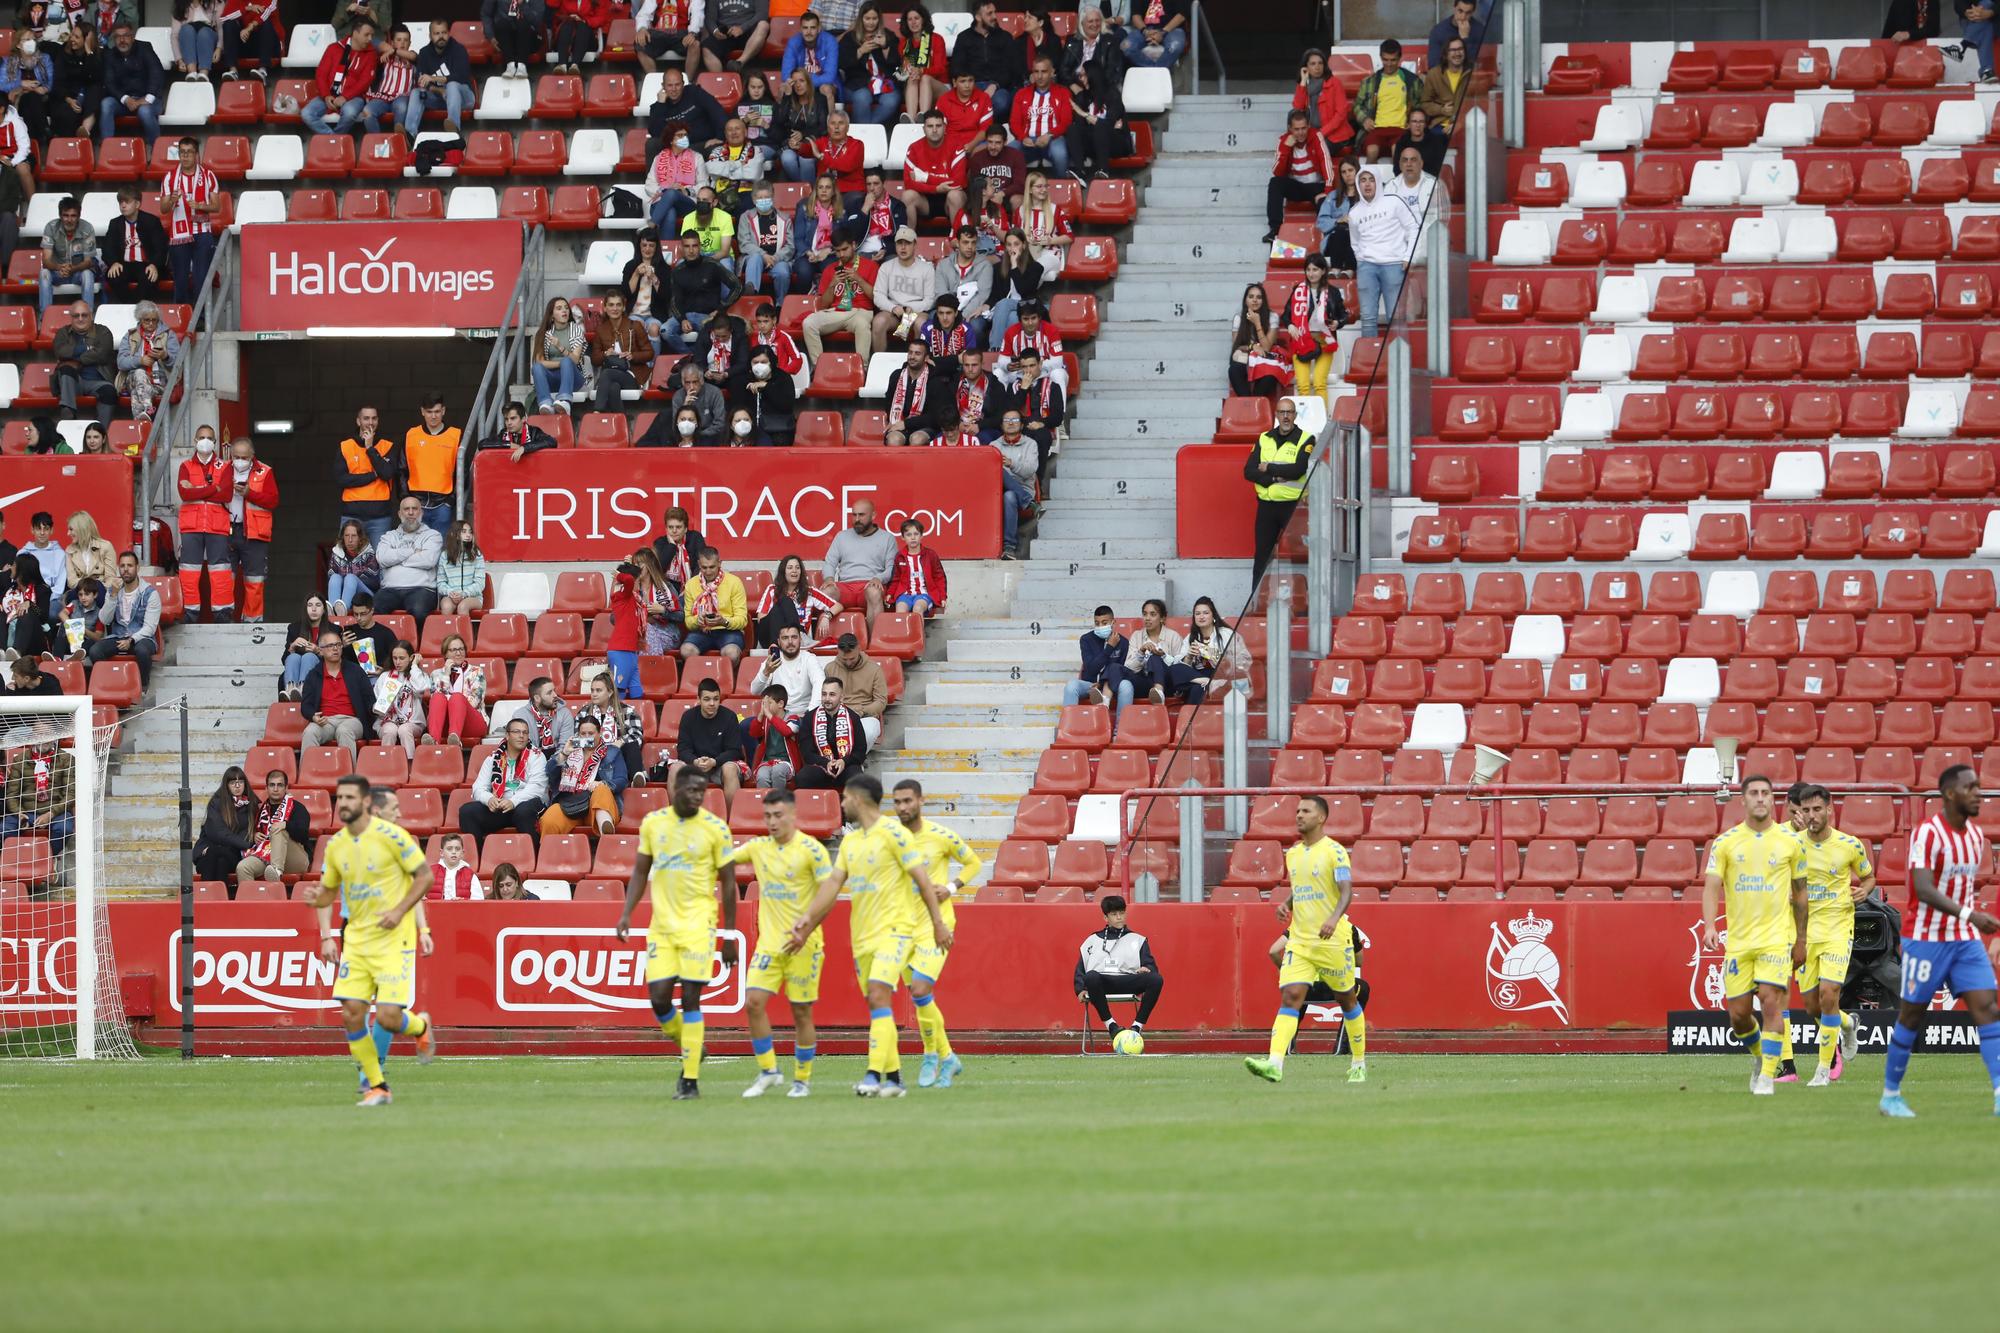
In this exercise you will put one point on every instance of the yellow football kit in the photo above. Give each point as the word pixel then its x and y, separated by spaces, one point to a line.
pixel 1833 868
pixel 1757 872
pixel 1318 873
pixel 885 908
pixel 788 875
pixel 688 855
pixel 947 857
pixel 373 873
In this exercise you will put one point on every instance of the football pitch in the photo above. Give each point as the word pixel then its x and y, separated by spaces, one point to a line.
pixel 1041 1192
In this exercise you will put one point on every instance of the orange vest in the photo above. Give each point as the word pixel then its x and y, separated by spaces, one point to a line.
pixel 431 461
pixel 205 495
pixel 357 463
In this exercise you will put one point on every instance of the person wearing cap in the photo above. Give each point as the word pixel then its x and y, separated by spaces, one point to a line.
pixel 905 291
pixel 863 686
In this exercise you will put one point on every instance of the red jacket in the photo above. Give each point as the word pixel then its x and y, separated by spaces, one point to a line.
pixel 787 738
pixel 359 65
pixel 1059 111
pixel 260 497
pixel 933 168
pixel 205 489
pixel 597 13
pixel 844 162
pixel 926 579
pixel 1332 109
pixel 964 122
pixel 625 615
pixel 1315 146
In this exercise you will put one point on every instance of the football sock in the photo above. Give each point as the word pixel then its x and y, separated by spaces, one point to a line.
pixel 692 1031
pixel 1357 1032
pixel 1745 1039
pixel 1785 1028
pixel 767 1056
pixel 802 1062
pixel 1829 1038
pixel 669 1020
pixel 1989 1051
pixel 1902 1042
pixel 1773 1051
pixel 881 1041
pixel 927 1021
pixel 1283 1028
pixel 940 1040
pixel 414 1025
pixel 363 1047
pixel 383 1039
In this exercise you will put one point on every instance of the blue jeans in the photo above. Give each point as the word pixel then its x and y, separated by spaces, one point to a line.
pixel 999 320
pixel 1003 98
pixel 875 108
pixel 86 279
pixel 298 666
pixel 624 672
pixel 1014 496
pixel 796 166
pixel 678 342
pixel 1979 36
pixel 1379 283
pixel 349 115
pixel 1173 47
pixel 754 265
pixel 198 44
pixel 1056 155
pixel 454 101
pixel 1115 680
pixel 341 588
pixel 555 386
pixel 59 829
pixel 148 116
pixel 371 528
pixel 189 261
pixel 438 517
pixel 710 643
pixel 669 209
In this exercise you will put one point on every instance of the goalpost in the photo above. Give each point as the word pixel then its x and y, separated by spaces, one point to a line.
pixel 59 993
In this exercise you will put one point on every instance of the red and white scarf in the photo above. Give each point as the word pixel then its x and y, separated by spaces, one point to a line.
pixel 880 223
pixel 972 396
pixel 823 221
pixel 671 16
pixel 544 725
pixel 402 698
pixel 268 822
pixel 907 402
pixel 719 356
pixel 1156 14
pixel 1306 307
pixel 579 766
pixel 945 343
pixel 1037 394
pixel 505 781
pixel 841 742
pixel 189 188
pixel 705 602
pixel 467 680
pixel 680 568
pixel 43 766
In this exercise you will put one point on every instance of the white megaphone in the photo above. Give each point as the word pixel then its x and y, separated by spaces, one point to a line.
pixel 1486 764
pixel 1725 765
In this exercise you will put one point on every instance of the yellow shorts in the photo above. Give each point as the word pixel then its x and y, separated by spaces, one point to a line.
pixel 385 976
pixel 882 958
pixel 1826 961
pixel 1331 961
pixel 681 953
pixel 926 959
pixel 1747 969
pixel 797 973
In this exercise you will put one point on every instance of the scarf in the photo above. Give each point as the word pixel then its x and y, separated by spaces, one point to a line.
pixel 402 700
pixel 469 681
pixel 1038 394
pixel 972 396
pixel 1308 308
pixel 705 603
pixel 879 219
pixel 544 725
pixel 841 743
pixel 268 822
pixel 678 567
pixel 42 777
pixel 822 227
pixel 918 53
pixel 1156 13
pixel 579 766
pixel 719 355
pixel 1312 100
pixel 671 16
pixel 907 402
pixel 503 780
pixel 944 343
pixel 619 728
pixel 658 601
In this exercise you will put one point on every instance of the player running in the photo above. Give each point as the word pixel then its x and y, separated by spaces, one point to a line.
pixel 892 894
pixel 942 849
pixel 789 868
pixel 384 805
pixel 378 873
pixel 1941 945
pixel 684 854
pixel 1759 867
pixel 1838 875
pixel 1320 943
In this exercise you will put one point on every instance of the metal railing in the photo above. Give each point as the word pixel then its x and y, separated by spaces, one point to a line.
pixel 513 353
pixel 174 423
pixel 1198 33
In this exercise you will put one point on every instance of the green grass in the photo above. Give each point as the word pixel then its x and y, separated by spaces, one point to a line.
pixel 1041 1193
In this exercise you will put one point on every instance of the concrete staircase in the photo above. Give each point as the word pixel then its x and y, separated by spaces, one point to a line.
pixel 228 674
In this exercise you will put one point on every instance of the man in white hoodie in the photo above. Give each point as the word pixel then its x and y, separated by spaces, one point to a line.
pixel 1383 232
pixel 798 671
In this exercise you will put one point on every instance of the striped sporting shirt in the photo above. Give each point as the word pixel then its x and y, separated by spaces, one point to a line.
pixel 393 78
pixel 189 188
pixel 1952 856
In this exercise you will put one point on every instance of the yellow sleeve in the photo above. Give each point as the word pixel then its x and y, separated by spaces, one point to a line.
pixel 966 859
pixel 329 874
pixel 691 595
pixel 744 853
pixel 1862 867
pixel 906 848
pixel 733 603
pixel 822 864
pixel 408 854
pixel 1718 858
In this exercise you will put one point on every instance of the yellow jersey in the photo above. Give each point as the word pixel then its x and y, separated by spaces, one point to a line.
pixel 788 875
pixel 942 849
pixel 1318 874
pixel 884 898
pixel 373 872
pixel 1757 872
pixel 688 855
pixel 1833 868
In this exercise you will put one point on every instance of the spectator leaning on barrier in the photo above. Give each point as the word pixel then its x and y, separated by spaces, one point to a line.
pixel 863 686
pixel 409 554
pixel 1116 961
pixel 860 561
pixel 710 741
pixel 1101 676
pixel 518 436
pixel 1383 231
pixel 336 699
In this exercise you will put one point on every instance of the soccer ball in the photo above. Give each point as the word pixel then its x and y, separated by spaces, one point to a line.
pixel 1128 1042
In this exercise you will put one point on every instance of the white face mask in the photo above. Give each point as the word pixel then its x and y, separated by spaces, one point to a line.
pixel 686 427
pixel 761 369
pixel 28 47
pixel 681 143
pixel 741 428
pixel 204 446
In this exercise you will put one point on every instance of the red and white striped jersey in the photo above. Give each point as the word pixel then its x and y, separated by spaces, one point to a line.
pixel 1952 856
pixel 189 188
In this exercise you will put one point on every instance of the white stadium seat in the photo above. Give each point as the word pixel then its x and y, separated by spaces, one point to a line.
pixel 505 99
pixel 1622 298
pixel 1989 540
pixel 1959 124
pixel 10 383
pixel 1606 358
pixel 900 139
pixel 279 157
pixel 1664 537
pixel 440 171
pixel 1789 125
pixel 874 140
pixel 639 223
pixel 525 594
pixel 1537 636
pixel 1148 92
pixel 604 265
pixel 1598 185
pixel 471 203
pixel 308 41
pixel 1810 238
pixel 592 153
pixel 1797 474
pixel 1587 418
pixel 1770 182
pixel 99 207
pixel 258 206
pixel 161 39
pixel 1752 241
pixel 190 104
pixel 1714 183
pixel 1436 727
pixel 118 320
pixel 1524 241
pixel 1931 415
pixel 1619 128
pixel 1732 592
pixel 880 367
pixel 1692 680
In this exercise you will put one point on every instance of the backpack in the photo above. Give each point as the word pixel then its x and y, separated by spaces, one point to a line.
pixel 623 204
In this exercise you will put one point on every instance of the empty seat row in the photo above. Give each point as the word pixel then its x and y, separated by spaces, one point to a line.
pixel 1733 297
pixel 1833 534
pixel 1802 237
pixel 1405 817
pixel 1747 414
pixel 1677 477
pixel 1675 592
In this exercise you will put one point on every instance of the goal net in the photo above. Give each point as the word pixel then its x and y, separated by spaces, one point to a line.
pixel 58 983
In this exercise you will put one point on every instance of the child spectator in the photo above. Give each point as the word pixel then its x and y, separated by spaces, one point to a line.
pixel 626 620
pixel 454 878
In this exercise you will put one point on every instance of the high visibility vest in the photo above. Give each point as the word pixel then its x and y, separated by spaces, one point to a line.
pixel 359 465
pixel 431 460
pixel 1270 450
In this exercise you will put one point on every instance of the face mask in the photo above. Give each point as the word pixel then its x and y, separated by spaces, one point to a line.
pixel 28 47
pixel 204 446
pixel 681 142
pixel 762 370
pixel 686 427
pixel 1102 631
pixel 741 428
pixel 766 205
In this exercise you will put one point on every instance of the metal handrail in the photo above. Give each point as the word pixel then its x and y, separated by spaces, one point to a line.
pixel 1197 26
pixel 509 359
pixel 174 419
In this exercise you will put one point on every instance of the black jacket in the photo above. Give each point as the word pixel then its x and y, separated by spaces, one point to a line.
pixel 701 288
pixel 534 437
pixel 990 58
pixel 216 832
pixel 78 74
pixel 855 69
pixel 697 110
pixel 775 407
pixel 134 73
pixel 809 120
pixel 1107 65
pixel 152 241
pixel 358 690
pixel 1919 18
pixel 719 738
pixel 664 550
pixel 453 61
pixel 938 409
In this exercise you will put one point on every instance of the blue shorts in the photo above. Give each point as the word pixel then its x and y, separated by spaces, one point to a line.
pixel 710 643
pixel 910 602
pixel 624 672
pixel 1961 965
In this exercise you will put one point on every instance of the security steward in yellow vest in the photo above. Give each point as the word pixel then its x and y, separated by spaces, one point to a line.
pixel 371 464
pixel 1277 469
